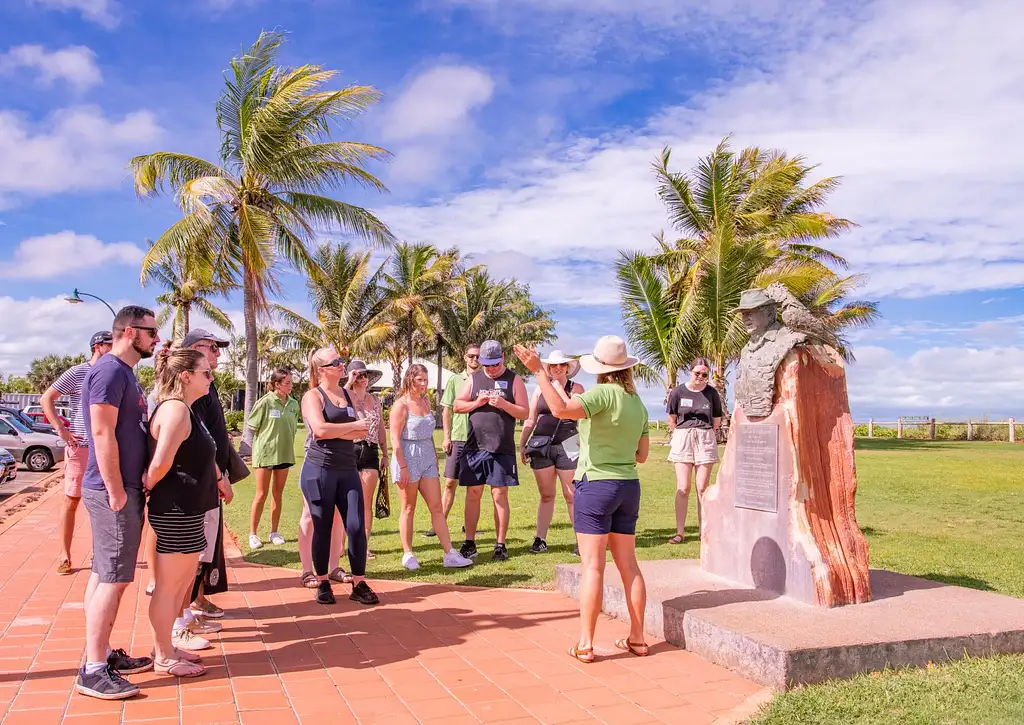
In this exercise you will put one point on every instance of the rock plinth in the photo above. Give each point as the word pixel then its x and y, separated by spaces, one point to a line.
pixel 780 515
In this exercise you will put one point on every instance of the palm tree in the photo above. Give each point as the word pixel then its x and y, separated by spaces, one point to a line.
pixel 188 286
pixel 826 301
pixel 748 220
pixel 261 206
pixel 419 282
pixel 348 304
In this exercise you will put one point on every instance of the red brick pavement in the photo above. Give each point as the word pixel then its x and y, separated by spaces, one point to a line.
pixel 428 653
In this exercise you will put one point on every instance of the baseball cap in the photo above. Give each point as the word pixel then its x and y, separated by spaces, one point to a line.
pixel 491 353
pixel 101 338
pixel 197 334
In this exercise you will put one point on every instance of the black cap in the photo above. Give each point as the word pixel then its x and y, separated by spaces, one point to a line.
pixel 101 338
pixel 198 334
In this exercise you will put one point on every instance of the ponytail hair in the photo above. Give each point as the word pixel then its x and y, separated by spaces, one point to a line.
pixel 317 358
pixel 170 364
pixel 414 370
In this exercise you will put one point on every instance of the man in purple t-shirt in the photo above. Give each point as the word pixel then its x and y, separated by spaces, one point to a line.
pixel 115 414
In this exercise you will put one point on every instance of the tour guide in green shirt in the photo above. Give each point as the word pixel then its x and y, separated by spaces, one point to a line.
pixel 613 440
pixel 274 419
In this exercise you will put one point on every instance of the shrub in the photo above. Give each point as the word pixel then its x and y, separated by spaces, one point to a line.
pixel 234 419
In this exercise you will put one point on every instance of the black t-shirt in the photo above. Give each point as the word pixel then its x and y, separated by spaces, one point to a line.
pixel 694 409
pixel 210 411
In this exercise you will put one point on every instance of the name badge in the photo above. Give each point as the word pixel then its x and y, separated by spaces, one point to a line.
pixel 275 414
pixel 686 401
pixel 351 412
pixel 501 384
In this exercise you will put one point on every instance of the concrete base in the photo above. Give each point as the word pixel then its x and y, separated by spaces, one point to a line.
pixel 780 642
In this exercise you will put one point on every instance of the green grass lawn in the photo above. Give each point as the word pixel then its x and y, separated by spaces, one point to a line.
pixel 949 511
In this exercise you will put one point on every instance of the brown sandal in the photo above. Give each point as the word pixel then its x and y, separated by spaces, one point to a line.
pixel 309 580
pixel 638 649
pixel 583 654
pixel 677 539
pixel 340 575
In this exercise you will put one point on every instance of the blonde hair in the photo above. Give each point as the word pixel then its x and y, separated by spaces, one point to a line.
pixel 414 370
pixel 168 367
pixel 317 358
pixel 619 377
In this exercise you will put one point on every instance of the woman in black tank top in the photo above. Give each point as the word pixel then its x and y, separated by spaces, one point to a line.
pixel 330 477
pixel 181 481
pixel 540 445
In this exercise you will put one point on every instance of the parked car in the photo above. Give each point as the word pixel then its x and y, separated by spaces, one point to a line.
pixel 37 426
pixel 35 412
pixel 8 466
pixel 37 451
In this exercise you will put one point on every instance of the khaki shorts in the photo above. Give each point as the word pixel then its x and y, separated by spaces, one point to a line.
pixel 693 445
pixel 74 469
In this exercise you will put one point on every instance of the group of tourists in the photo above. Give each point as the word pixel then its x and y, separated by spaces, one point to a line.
pixel 154 474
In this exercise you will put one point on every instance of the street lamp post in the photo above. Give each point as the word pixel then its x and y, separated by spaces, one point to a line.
pixel 76 298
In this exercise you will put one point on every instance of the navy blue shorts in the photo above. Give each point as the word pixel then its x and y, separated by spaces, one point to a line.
pixel 606 507
pixel 477 468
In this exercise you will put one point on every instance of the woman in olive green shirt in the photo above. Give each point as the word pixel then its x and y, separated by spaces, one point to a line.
pixel 613 440
pixel 274 419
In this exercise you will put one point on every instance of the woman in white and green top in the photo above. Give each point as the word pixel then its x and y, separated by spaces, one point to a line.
pixel 274 419
pixel 613 439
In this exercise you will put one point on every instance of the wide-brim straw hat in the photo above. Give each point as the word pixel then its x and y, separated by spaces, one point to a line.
pixel 358 366
pixel 609 356
pixel 557 357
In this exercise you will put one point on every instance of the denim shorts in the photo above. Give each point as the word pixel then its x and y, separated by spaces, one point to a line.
pixel 556 456
pixel 606 507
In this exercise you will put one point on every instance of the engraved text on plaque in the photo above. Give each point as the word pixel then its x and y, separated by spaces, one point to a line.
pixel 757 467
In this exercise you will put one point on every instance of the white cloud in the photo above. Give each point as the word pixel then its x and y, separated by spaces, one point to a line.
pixel 912 108
pixel 430 124
pixel 105 13
pixel 53 255
pixel 75 64
pixel 73 149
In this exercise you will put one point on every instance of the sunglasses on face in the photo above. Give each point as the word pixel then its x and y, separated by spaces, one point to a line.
pixel 336 363
pixel 358 376
pixel 208 374
pixel 472 357
pixel 150 330
pixel 495 365
pixel 700 373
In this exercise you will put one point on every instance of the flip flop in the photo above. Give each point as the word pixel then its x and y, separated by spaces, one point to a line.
pixel 638 649
pixel 583 654
pixel 677 539
pixel 179 668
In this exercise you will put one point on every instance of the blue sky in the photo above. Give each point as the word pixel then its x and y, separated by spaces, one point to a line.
pixel 523 131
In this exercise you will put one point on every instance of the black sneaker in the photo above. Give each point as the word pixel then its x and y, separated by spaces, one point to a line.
pixel 362 593
pixel 463 528
pixel 121 662
pixel 324 595
pixel 539 546
pixel 105 685
pixel 500 553
pixel 468 549
pixel 430 533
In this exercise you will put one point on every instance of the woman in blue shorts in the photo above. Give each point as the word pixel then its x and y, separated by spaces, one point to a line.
pixel 613 439
pixel 414 466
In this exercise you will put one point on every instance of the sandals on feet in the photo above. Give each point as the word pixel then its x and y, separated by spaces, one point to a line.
pixel 638 649
pixel 179 668
pixel 677 539
pixel 309 580
pixel 340 575
pixel 583 654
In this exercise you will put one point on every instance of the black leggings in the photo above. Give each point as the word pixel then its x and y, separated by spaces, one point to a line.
pixel 326 489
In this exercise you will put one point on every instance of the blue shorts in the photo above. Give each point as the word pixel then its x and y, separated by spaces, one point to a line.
pixel 606 507
pixel 477 468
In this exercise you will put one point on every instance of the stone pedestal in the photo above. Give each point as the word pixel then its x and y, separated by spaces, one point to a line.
pixel 780 516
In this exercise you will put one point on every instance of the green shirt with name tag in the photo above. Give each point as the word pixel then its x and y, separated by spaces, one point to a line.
pixel 275 424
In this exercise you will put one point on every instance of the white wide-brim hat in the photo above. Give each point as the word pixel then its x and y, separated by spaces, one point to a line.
pixel 557 357
pixel 609 356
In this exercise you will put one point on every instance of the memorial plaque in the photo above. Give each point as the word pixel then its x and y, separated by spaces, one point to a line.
pixel 757 467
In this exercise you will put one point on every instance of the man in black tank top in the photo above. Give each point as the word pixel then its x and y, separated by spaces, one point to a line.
pixel 495 398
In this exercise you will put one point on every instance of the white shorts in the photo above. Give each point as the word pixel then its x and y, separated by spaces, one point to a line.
pixel 211 520
pixel 693 445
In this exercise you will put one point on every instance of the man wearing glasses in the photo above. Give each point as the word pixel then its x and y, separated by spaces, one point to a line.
pixel 456 429
pixel 115 414
pixel 494 398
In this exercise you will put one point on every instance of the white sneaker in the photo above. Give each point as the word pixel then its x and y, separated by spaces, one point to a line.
pixel 276 539
pixel 455 560
pixel 409 561
pixel 188 640
pixel 254 542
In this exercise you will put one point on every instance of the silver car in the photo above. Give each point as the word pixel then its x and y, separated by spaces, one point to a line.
pixel 38 451
pixel 8 466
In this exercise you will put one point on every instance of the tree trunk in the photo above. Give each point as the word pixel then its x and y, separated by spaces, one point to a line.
pixel 251 357
pixel 412 331
pixel 440 360
pixel 186 311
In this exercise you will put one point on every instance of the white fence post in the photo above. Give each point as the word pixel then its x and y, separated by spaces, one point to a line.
pixel 970 431
pixel 899 427
pixel 871 427
pixel 1013 431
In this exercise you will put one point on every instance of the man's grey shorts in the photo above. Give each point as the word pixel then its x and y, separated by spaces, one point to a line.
pixel 116 535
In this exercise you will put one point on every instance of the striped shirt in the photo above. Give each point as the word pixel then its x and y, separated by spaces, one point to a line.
pixel 70 384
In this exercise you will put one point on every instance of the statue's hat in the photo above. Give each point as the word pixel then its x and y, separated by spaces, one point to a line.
pixel 751 299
